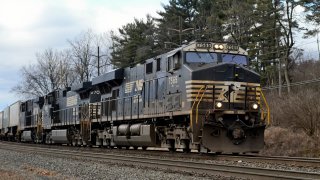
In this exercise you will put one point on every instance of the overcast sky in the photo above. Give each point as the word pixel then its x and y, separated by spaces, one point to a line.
pixel 31 26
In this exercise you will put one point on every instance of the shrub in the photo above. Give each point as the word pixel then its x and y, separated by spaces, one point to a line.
pixel 299 110
pixel 288 142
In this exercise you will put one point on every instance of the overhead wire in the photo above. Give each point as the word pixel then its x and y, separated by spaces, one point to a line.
pixel 293 84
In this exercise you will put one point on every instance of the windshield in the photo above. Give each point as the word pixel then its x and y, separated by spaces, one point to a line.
pixel 201 57
pixel 238 59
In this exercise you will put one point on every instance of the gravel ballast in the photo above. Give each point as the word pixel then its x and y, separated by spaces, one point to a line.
pixel 16 165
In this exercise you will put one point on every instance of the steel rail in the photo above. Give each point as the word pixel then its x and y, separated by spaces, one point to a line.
pixel 177 165
pixel 294 161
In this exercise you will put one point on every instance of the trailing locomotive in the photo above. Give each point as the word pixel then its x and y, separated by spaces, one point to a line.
pixel 200 96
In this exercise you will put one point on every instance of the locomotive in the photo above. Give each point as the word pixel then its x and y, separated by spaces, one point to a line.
pixel 201 96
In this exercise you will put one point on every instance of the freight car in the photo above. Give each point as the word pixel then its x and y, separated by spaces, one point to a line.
pixel 201 96
pixel 10 121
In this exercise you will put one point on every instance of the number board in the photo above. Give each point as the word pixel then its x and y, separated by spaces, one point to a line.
pixel 232 47
pixel 204 45
pixel 209 45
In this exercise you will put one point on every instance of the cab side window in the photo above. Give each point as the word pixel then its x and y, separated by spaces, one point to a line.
pixel 174 62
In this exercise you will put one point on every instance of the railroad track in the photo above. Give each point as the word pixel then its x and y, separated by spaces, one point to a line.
pixel 292 161
pixel 166 164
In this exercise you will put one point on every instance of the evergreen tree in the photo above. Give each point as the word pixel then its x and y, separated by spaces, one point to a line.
pixel 134 44
pixel 264 41
pixel 263 27
pixel 210 20
pixel 312 9
pixel 176 23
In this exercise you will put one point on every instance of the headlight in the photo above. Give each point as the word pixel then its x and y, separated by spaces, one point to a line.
pixel 219 46
pixel 255 106
pixel 218 104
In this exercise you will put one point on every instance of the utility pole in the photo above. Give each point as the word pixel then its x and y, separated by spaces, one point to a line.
pixel 277 45
pixel 98 58
pixel 87 68
pixel 98 61
pixel 318 45
pixel 180 30
pixel 280 80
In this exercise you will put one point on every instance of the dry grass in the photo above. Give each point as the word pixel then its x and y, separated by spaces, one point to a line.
pixel 5 175
pixel 39 171
pixel 287 142
pixel 299 110
pixel 295 122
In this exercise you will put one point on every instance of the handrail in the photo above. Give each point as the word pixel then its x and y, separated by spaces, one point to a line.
pixel 200 102
pixel 268 109
pixel 194 102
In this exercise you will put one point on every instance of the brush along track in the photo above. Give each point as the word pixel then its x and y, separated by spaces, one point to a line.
pixel 170 164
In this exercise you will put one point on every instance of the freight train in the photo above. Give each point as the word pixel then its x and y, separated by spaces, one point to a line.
pixel 201 96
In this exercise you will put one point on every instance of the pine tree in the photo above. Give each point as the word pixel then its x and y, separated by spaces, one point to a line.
pixel 312 9
pixel 135 43
pixel 264 41
pixel 176 23
pixel 210 20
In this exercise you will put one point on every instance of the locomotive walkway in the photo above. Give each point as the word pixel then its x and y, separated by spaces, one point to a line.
pixel 165 164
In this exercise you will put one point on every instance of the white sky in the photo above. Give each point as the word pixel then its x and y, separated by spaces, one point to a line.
pixel 31 26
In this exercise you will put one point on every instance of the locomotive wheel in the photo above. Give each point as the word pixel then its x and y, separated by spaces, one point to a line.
pixel 172 147
pixel 144 148
pixel 186 150
pixel 135 147
pixel 187 147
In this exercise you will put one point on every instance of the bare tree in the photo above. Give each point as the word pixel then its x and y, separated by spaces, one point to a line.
pixel 101 53
pixel 81 50
pixel 41 78
pixel 60 69
pixel 287 23
pixel 67 75
pixel 306 114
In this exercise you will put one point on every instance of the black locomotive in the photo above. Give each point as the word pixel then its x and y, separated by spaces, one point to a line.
pixel 201 96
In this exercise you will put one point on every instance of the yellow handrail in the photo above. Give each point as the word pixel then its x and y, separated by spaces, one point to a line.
pixel 194 102
pixel 199 103
pixel 268 109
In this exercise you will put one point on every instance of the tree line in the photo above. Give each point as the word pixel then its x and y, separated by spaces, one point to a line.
pixel 265 28
pixel 59 69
